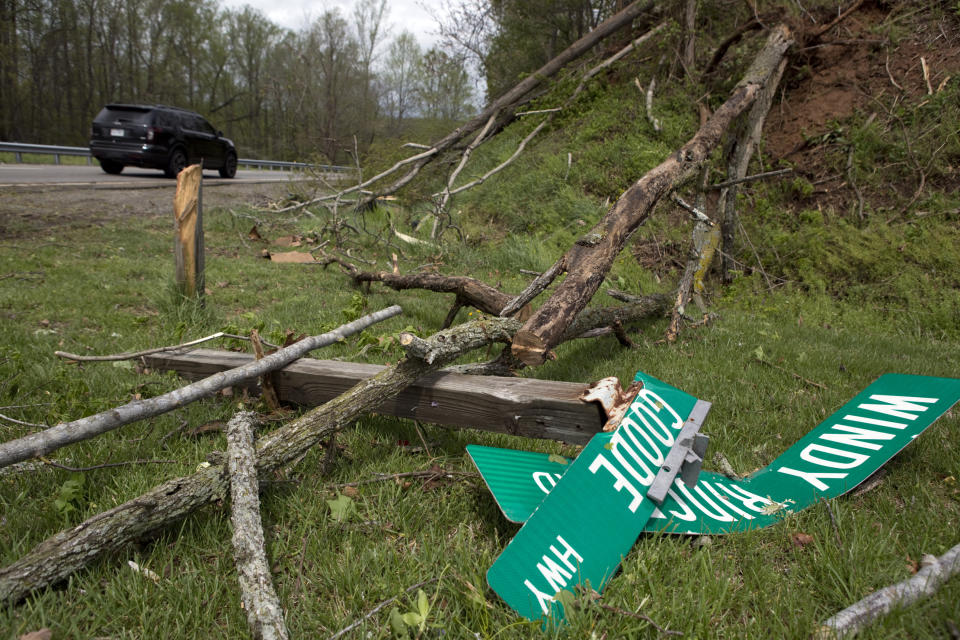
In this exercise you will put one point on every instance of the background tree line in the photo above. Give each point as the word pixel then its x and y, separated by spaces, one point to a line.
pixel 335 85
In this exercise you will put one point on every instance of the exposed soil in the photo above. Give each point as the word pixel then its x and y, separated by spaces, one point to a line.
pixel 29 210
pixel 856 67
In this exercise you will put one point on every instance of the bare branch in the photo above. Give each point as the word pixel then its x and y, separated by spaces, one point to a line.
pixel 924 584
pixel 43 442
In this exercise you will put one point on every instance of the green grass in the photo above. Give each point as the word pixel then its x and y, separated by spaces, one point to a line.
pixel 849 301
pixel 44 158
pixel 101 295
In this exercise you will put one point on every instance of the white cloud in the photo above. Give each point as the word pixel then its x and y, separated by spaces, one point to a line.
pixel 402 15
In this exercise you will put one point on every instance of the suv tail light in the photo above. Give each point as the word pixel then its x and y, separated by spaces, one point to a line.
pixel 152 133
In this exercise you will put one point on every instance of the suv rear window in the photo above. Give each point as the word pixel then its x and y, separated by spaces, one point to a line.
pixel 132 115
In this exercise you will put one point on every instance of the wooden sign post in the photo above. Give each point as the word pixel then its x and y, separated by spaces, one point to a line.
pixel 188 227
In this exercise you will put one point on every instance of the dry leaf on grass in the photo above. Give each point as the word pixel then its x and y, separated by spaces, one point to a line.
pixel 288 241
pixel 292 256
pixel 39 634
pixel 800 540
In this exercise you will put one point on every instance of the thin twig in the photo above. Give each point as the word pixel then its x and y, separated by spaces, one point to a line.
pixel 373 612
pixel 22 423
pixel 639 616
pixel 753 178
pixel 106 465
pixel 423 440
pixel 795 375
pixel 833 521
pixel 146 352
pixel 428 473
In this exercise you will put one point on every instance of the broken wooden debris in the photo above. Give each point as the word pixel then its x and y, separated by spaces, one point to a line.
pixel 518 406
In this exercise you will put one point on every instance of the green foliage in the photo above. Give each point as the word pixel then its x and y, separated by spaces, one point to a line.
pixel 341 508
pixel 70 497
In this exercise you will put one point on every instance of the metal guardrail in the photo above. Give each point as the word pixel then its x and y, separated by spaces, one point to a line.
pixel 19 148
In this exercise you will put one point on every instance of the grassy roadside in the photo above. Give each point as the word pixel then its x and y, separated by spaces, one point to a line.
pixel 108 290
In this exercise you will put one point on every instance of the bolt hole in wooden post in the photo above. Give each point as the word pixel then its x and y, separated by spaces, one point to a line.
pixel 188 232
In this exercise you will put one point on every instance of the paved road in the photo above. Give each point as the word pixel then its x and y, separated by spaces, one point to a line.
pixel 13 175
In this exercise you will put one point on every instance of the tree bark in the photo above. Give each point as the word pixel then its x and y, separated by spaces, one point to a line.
pixel 738 162
pixel 43 442
pixel 592 256
pixel 922 585
pixel 468 291
pixel 260 601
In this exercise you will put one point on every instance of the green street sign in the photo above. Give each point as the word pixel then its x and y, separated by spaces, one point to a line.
pixel 832 459
pixel 590 520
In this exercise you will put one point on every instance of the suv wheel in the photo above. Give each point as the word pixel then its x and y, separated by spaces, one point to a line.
pixel 229 168
pixel 111 167
pixel 176 164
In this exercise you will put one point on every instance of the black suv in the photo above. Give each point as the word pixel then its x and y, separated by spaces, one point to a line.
pixel 158 137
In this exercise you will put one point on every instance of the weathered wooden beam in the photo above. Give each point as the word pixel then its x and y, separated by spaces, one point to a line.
pixel 518 406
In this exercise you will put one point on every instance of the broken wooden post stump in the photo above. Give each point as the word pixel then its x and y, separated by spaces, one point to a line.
pixel 188 231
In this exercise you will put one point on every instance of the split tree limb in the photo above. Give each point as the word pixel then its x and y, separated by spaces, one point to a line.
pixel 922 585
pixel 450 191
pixel 260 601
pixel 507 104
pixel 592 256
pixel 43 442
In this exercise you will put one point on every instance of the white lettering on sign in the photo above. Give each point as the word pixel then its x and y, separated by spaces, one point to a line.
pixel 900 406
pixel 616 444
pixel 738 500
pixel 541 478
pixel 621 480
pixel 813 477
pixel 653 405
pixel 556 575
pixel 829 457
pixel 635 460
pixel 847 460
pixel 855 436
pixel 718 514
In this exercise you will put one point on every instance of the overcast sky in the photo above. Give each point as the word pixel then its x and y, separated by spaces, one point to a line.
pixel 402 15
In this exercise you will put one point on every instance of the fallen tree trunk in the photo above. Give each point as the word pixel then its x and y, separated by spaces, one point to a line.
pixel 43 442
pixel 71 550
pixel 591 257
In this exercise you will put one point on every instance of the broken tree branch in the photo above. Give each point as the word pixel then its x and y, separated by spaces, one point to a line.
pixel 591 257
pixel 924 584
pixel 43 442
pixel 468 291
pixel 260 601
pixel 503 108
